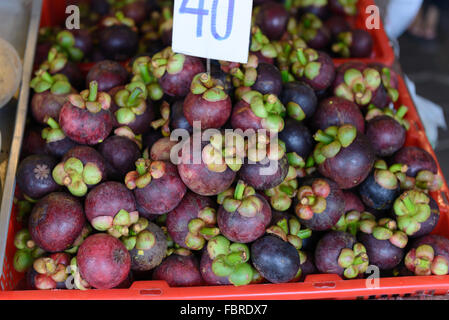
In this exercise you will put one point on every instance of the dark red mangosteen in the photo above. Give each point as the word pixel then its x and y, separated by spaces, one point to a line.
pixel 339 252
pixel 336 25
pixel 343 155
pixel 76 43
pixel 417 213
pixel 319 203
pixel 313 67
pixel 313 31
pixel 386 129
pixel 193 221
pixel 179 270
pixel 356 43
pixel 56 221
pixel 318 8
pixel 297 138
pixel 299 99
pixel 207 102
pixel 103 261
pixel 343 7
pixel 51 93
pixel 381 188
pixel 34 176
pixel 176 71
pixel 142 72
pixel 429 256
pixel 335 111
pixel 388 91
pixel 243 214
pixel 49 272
pixel 136 10
pixel 57 144
pixel 416 159
pixel 272 19
pixel 261 46
pixel 108 74
pixel 157 186
pixel 86 118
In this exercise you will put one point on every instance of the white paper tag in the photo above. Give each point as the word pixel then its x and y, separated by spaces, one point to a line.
pixel 214 29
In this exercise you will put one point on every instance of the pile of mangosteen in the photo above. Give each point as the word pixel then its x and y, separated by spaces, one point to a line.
pixel 108 195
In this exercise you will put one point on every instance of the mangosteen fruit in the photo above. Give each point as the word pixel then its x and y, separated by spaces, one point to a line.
pixel 429 256
pixel 179 270
pixel 299 99
pixel 108 74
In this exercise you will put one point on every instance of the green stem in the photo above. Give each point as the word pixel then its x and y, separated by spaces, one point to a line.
pixel 401 111
pixel 52 123
pixel 93 90
pixel 141 168
pixel 320 136
pixel 47 77
pixel 132 99
pixel 301 56
pixel 145 73
pixel 304 234
pixel 409 205
pixel 239 190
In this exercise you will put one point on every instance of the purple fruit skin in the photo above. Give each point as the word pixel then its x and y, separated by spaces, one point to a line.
pixel 33 143
pixel 152 257
pixel 269 79
pixel 118 42
pixel 326 74
pixel 337 24
pixel 328 250
pixel 87 154
pixel 178 85
pixel 275 259
pixel 199 179
pixel 251 174
pixel 351 165
pixel 30 182
pixel 103 261
pixel 210 114
pixel 164 194
pixel 188 209
pixel 335 111
pixel 381 253
pixel 362 44
pixel 353 202
pixel 73 73
pixel 321 39
pixel 297 138
pixel 386 135
pixel 207 274
pixel 238 228
pixel 302 94
pixel 107 199
pixel 108 74
pixel 335 206
pixel 56 221
pixel 85 127
pixel 47 104
pixel 136 10
pixel 120 154
pixel 179 271
pixel 272 19
pixel 416 159
pixel 243 117
pixel 177 118
pixel 83 40
pixel 60 148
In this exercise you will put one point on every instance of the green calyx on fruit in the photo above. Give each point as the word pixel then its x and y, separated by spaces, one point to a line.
pixel 359 86
pixel 281 195
pixel 167 61
pixel 354 261
pixel 342 44
pixel 304 63
pixel 261 146
pixel 423 261
pixel 244 75
pixel 127 132
pixel 230 260
pixel 66 41
pixel 224 151
pixel 78 281
pixel 26 252
pixel 389 177
pixel 166 22
pixel 142 70
pixel 412 208
pixel 308 26
pixel 332 140
pixel 268 107
pixel 117 225
pixel 56 61
pixel 57 83
pixel 312 199
pixel 202 229
pixel 119 19
pixel 427 180
pixel 210 89
pixel 286 51
pixel 164 121
pixel 146 171
pixel 138 236
pixel 53 132
pixel 77 176
pixel 85 232
pixel 132 102
pixel 384 229
pixel 349 6
pixel 261 43
pixel 290 231
pixel 393 93
pixel 350 221
pixel 241 199
pixel 54 266
pixel 302 167
pixel 91 99
pixel 397 115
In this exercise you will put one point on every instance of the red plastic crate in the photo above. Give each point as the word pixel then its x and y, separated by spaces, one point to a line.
pixel 319 286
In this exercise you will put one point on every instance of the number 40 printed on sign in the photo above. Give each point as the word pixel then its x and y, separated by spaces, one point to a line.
pixel 214 29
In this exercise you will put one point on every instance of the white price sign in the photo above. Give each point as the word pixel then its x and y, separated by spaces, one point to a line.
pixel 214 29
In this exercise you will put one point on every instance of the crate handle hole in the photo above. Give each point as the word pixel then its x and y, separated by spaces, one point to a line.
pixel 151 292
pixel 323 285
